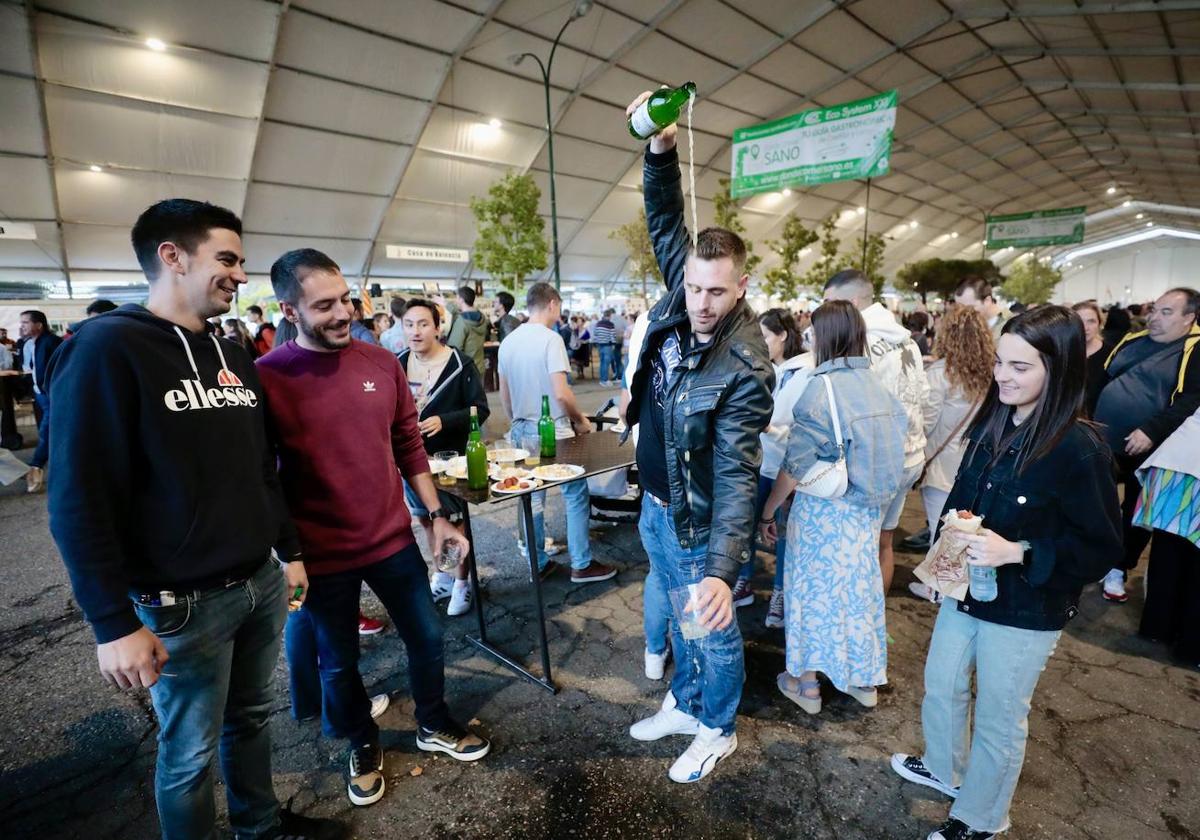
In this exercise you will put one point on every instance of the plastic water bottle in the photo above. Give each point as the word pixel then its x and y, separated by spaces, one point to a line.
pixel 983 583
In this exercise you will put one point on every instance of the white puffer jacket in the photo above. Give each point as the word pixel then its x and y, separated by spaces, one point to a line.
pixel 896 359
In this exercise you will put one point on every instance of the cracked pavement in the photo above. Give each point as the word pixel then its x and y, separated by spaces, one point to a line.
pixel 1112 752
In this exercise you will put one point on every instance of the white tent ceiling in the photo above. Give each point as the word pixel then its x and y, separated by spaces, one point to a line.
pixel 348 125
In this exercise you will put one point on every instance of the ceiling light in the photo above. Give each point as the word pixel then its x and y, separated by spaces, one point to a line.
pixel 913 224
pixel 954 234
pixel 1111 190
pixel 495 123
pixel 95 168
pixel 1126 203
pixel 982 241
pixel 1140 216
pixel 862 210
pixel 1149 224
pixel 156 44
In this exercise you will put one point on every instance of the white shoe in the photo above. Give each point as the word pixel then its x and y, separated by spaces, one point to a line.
pixel 656 664
pixel 1114 587
pixel 866 696
pixel 379 704
pixel 441 586
pixel 709 747
pixel 460 598
pixel 925 592
pixel 552 548
pixel 667 721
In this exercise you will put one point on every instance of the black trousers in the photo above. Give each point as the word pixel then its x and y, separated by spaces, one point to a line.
pixel 1135 538
pixel 1172 612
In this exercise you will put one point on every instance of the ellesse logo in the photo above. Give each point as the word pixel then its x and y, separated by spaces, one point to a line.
pixel 228 377
pixel 194 396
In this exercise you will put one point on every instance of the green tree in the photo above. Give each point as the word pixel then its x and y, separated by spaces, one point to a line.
pixel 870 261
pixel 941 277
pixel 782 281
pixel 830 260
pixel 726 215
pixel 510 243
pixel 642 263
pixel 1031 282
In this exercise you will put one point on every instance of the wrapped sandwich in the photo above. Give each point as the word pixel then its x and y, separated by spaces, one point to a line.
pixel 944 568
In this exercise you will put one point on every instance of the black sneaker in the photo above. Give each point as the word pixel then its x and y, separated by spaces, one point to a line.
pixel 454 741
pixel 911 767
pixel 953 829
pixel 366 774
pixel 916 542
pixel 293 826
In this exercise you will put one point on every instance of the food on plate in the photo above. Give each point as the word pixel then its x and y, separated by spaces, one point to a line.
pixel 558 472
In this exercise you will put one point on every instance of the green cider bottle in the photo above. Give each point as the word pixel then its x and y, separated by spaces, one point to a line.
pixel 546 431
pixel 661 110
pixel 477 460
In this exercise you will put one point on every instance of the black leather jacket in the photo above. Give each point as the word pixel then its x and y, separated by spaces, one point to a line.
pixel 719 400
pixel 1064 505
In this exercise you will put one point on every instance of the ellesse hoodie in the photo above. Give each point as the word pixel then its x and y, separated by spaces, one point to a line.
pixel 160 473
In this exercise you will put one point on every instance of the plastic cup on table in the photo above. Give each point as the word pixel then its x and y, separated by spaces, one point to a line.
pixel 683 599
pixel 446 457
pixel 533 445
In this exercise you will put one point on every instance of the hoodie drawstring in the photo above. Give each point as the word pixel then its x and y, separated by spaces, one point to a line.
pixel 187 348
pixel 220 353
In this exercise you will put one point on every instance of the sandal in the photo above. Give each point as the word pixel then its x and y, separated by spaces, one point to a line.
pixel 804 693
pixel 865 695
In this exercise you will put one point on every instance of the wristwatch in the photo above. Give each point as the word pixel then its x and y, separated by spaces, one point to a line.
pixel 439 513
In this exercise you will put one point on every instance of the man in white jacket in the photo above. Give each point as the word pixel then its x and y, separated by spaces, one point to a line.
pixel 896 359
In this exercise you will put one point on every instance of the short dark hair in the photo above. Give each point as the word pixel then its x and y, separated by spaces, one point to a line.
pixel 838 331
pixel 976 284
pixel 38 317
pixel 289 271
pixel 1135 309
pixel 425 304
pixel 541 295
pixel 396 305
pixel 1191 298
pixel 714 243
pixel 507 301
pixel 918 320
pixel 467 294
pixel 180 220
pixel 99 306
pixel 255 309
pixel 851 277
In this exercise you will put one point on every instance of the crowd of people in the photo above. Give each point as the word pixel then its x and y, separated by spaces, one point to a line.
pixel 192 462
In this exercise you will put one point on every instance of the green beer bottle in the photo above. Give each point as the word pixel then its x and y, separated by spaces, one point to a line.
pixel 546 430
pixel 660 110
pixel 477 461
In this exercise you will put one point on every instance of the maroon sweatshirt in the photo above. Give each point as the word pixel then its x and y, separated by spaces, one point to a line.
pixel 342 424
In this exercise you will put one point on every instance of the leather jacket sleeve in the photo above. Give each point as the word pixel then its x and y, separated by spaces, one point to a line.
pixel 663 192
pixel 737 456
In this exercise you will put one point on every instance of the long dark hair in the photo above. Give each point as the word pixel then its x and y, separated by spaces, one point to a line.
pixel 781 322
pixel 1057 334
pixel 838 330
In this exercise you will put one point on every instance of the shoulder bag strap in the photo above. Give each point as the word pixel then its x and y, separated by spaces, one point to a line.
pixel 833 412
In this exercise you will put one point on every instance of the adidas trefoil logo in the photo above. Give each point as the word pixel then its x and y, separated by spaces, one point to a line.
pixel 368 387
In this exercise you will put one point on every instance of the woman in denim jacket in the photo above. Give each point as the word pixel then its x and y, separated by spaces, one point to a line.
pixel 1041 478
pixel 834 609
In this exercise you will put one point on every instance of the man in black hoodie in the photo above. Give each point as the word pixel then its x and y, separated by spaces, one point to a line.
pixel 165 506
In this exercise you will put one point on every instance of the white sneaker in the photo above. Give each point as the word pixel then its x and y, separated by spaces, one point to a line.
pixel 552 548
pixel 709 747
pixel 656 664
pixel 460 598
pixel 379 704
pixel 441 586
pixel 1114 587
pixel 667 721
pixel 925 592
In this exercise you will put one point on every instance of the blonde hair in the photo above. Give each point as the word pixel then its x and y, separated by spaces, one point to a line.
pixel 965 342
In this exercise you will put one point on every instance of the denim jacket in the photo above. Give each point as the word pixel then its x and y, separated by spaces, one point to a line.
pixel 874 425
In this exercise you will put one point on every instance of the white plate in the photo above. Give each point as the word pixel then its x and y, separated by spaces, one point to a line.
pixel 530 484
pixel 509 454
pixel 547 472
pixel 498 473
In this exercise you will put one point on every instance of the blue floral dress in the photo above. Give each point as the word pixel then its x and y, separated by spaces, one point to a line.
pixel 833 589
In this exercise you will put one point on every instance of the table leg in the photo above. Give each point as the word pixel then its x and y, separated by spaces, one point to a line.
pixel 473 572
pixel 532 547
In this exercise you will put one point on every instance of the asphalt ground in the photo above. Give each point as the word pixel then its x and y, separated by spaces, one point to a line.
pixel 1113 749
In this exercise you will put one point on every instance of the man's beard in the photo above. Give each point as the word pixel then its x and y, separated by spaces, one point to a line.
pixel 318 335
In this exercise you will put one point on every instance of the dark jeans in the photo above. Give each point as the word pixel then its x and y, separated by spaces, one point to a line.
pixel 1136 538
pixel 41 407
pixel 401 584
pixel 1172 611
pixel 304 678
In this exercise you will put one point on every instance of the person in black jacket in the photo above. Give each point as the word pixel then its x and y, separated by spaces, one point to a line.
pixel 445 383
pixel 1041 478
pixel 702 396
pixel 38 344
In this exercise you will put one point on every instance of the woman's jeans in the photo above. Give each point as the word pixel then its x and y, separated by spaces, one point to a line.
pixel 1007 662
pixel 707 683
pixel 764 490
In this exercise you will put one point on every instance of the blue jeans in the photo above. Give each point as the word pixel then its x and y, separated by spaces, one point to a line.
pixel 618 361
pixel 214 696
pixel 607 352
pixel 708 672
pixel 41 453
pixel 579 511
pixel 1007 661
pixel 304 678
pixel 401 584
pixel 764 490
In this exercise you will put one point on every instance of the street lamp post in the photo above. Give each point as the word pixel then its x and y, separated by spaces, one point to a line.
pixel 582 7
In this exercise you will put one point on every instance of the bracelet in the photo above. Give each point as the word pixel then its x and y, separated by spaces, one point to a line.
pixel 766 521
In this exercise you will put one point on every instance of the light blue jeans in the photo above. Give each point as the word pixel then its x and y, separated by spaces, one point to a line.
pixel 214 697
pixel 579 510
pixel 708 672
pixel 1007 661
pixel 608 366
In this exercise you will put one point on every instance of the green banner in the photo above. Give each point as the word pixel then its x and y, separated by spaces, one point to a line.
pixel 1042 227
pixel 847 141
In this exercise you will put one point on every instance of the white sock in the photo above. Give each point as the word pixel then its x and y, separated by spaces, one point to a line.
pixel 442 578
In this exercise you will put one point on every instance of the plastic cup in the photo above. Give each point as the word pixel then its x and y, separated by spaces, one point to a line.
pixel 689 619
pixel 533 445
pixel 449 557
pixel 446 457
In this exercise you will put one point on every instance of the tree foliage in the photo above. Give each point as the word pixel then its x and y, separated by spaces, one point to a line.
pixel 726 215
pixel 511 241
pixel 941 277
pixel 830 259
pixel 642 263
pixel 782 281
pixel 1031 282
pixel 870 260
